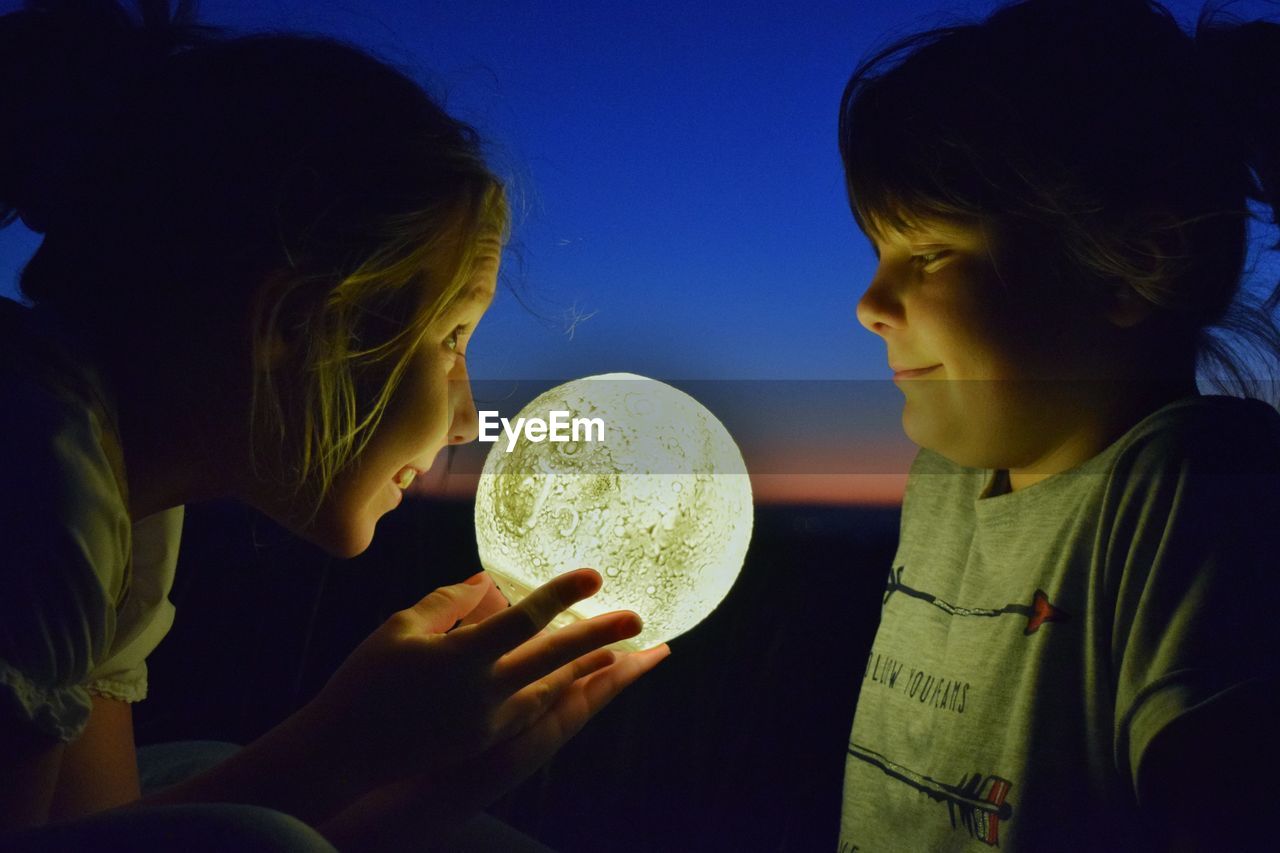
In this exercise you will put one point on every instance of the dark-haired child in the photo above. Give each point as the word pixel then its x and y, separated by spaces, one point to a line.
pixel 1077 647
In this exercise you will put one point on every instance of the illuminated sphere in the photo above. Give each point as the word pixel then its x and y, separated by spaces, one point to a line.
pixel 661 508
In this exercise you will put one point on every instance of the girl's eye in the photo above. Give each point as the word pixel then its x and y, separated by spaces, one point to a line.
pixel 451 342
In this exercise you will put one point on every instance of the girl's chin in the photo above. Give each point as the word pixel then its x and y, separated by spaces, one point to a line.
pixel 353 541
pixel 347 535
pixel 345 531
pixel 343 542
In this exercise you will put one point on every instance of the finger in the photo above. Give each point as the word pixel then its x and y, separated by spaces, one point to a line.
pixel 503 631
pixel 548 652
pixel 597 660
pixel 493 602
pixel 550 719
pixel 599 689
pixel 526 706
pixel 441 610
pixel 511 761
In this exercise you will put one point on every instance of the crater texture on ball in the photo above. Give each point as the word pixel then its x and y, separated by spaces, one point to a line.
pixel 661 508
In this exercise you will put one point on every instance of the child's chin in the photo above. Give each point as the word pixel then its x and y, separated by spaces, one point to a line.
pixel 918 427
pixel 924 430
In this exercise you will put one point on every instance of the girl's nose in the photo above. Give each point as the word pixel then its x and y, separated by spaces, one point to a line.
pixel 879 308
pixel 464 425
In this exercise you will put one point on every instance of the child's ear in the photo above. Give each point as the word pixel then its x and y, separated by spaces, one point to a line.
pixel 1155 242
pixel 1125 307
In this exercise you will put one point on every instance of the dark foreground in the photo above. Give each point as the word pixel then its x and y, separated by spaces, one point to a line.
pixel 736 742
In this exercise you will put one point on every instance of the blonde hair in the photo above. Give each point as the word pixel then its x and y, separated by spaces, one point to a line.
pixel 356 340
pixel 196 187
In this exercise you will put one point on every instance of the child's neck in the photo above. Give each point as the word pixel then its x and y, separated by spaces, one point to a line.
pixel 1111 418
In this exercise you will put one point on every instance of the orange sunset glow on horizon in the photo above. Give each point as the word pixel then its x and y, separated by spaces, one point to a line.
pixel 874 476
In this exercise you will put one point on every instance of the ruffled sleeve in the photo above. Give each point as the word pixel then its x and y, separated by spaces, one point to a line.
pixel 66 546
pixel 146 614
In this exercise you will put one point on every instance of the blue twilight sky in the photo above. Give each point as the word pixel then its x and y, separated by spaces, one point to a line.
pixel 681 211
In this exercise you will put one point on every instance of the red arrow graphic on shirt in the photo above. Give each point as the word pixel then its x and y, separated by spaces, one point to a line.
pixel 978 801
pixel 1038 612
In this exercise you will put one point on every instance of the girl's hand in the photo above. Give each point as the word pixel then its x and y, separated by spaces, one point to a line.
pixel 421 695
pixel 424 811
pixel 509 762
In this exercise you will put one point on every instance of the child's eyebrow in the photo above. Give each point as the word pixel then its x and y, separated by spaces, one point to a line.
pixel 908 234
pixel 945 231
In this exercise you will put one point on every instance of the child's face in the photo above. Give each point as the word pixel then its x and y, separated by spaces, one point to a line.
pixel 432 408
pixel 994 388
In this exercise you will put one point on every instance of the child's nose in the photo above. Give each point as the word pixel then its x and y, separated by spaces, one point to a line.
pixel 879 309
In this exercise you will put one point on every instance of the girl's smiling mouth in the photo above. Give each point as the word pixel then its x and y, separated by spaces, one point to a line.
pixel 405 477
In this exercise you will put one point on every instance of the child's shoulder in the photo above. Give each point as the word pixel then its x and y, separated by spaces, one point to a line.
pixel 1194 436
pixel 1212 433
pixel 1233 430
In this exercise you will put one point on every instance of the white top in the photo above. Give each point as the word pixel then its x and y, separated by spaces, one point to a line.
pixel 83 591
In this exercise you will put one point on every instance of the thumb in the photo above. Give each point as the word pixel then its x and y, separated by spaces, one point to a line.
pixel 441 610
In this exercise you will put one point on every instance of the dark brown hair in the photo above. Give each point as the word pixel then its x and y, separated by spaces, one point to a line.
pixel 1098 138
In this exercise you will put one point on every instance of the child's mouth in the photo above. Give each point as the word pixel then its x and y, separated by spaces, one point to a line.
pixel 910 374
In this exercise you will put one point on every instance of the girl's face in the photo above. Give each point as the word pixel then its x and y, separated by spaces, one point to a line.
pixel 990 377
pixel 432 407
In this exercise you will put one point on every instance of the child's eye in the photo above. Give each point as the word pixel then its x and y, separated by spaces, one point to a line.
pixel 451 342
pixel 924 259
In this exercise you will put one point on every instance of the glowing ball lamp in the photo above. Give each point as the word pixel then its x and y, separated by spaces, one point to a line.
pixel 657 500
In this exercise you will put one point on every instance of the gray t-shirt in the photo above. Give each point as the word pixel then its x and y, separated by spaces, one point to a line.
pixel 1031 643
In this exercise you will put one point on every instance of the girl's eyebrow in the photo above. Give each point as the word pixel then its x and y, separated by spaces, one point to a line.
pixel 478 294
pixel 466 300
pixel 474 295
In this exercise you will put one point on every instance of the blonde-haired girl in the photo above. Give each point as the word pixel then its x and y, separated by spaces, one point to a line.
pixel 263 258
